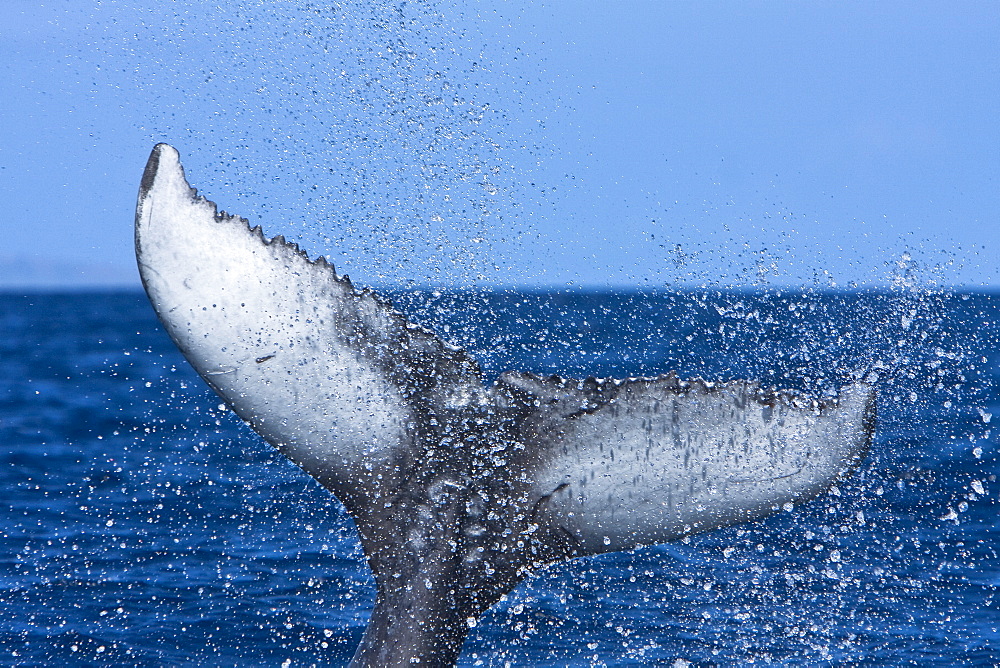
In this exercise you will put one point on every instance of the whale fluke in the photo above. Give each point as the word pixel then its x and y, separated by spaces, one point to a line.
pixel 459 490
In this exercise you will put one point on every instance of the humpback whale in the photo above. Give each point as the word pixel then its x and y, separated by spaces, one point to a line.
pixel 459 490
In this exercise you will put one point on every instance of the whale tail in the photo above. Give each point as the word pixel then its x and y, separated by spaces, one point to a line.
pixel 459 490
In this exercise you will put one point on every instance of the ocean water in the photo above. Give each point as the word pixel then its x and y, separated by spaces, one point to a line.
pixel 142 524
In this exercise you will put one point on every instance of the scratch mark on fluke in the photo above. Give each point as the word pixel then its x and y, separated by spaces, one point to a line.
pixel 459 490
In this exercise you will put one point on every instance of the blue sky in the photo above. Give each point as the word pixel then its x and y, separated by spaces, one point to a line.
pixel 628 144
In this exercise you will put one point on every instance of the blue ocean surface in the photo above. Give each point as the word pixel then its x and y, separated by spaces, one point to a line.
pixel 142 524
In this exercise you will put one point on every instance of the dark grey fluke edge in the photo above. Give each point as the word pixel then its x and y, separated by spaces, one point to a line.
pixel 458 490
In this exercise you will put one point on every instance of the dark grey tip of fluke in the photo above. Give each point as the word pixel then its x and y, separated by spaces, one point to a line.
pixel 150 172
